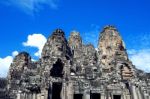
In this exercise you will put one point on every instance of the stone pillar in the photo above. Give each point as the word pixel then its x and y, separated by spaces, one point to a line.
pixel 134 92
pixel 139 93
pixel 63 92
pixel 46 94
pixel 26 96
pixel 18 96
pixel 121 96
pixel 110 96
pixel 22 96
pixel 38 96
pixel 29 96
pixel 70 91
pixel 124 96
pixel 102 96
pixel 34 96
pixel 86 96
pixel 128 97
pixel 42 97
pixel 146 96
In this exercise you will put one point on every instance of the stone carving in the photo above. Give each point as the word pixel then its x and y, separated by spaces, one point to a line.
pixel 73 70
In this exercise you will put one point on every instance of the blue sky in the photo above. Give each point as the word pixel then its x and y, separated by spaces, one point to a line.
pixel 23 21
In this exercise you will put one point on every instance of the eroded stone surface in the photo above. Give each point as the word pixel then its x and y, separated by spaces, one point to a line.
pixel 73 70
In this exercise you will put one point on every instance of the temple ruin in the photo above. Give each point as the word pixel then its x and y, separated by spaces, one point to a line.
pixel 69 69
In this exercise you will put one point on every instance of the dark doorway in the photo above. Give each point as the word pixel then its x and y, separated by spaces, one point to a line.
pixel 95 96
pixel 56 90
pixel 57 69
pixel 78 96
pixel 116 96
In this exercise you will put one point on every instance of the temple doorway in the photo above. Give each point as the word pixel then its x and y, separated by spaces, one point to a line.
pixel 78 96
pixel 95 96
pixel 116 96
pixel 56 90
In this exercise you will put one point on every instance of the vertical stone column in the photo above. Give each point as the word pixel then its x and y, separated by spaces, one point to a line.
pixel 42 94
pixel 124 96
pixel 46 94
pixel 128 97
pixel 42 97
pixel 70 91
pixel 103 96
pixel 22 96
pixel 63 92
pixel 139 93
pixel 86 96
pixel 38 96
pixel 33 96
pixel 29 96
pixel 134 92
pixel 110 96
pixel 121 96
pixel 18 96
pixel 146 96
pixel 26 95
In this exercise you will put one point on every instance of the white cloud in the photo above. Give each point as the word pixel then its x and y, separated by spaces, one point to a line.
pixel 31 6
pixel 14 53
pixel 141 59
pixel 5 63
pixel 34 40
pixel 96 49
pixel 37 41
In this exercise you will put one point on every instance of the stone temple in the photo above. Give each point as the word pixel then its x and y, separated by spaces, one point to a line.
pixel 69 69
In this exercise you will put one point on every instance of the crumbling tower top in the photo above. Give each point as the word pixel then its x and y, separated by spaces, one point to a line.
pixel 110 27
pixel 58 32
pixel 110 46
pixel 110 40
pixel 75 40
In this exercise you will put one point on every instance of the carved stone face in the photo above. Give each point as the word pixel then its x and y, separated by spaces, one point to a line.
pixel 91 73
pixel 75 40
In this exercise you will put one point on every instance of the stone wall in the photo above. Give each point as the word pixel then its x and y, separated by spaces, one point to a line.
pixel 69 69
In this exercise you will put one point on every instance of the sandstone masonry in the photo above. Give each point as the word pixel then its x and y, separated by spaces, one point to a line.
pixel 69 69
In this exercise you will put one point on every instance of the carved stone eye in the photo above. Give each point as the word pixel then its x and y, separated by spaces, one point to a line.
pixel 104 57
pixel 95 70
pixel 108 47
